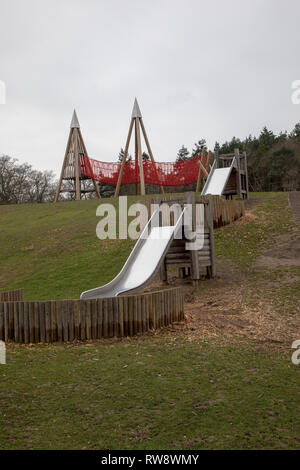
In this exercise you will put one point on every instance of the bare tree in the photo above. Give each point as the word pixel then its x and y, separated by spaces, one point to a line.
pixel 20 183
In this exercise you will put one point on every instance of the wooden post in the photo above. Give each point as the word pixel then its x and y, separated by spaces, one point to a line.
pixel 124 158
pixel 246 174
pixel 140 159
pixel 217 158
pixel 190 199
pixel 238 173
pixel 210 221
pixel 201 169
pixel 86 154
pixel 63 167
pixel 149 148
pixel 77 166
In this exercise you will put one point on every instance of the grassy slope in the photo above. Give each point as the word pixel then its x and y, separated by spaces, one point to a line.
pixel 153 393
pixel 52 250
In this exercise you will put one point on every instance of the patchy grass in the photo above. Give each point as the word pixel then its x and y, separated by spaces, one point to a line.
pixel 234 388
pixel 151 394
pixel 242 242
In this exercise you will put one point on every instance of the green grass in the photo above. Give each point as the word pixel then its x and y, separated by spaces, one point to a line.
pixel 53 252
pixel 242 244
pixel 154 394
pixel 144 393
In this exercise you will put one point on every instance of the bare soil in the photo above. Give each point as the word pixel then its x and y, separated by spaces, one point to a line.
pixel 231 307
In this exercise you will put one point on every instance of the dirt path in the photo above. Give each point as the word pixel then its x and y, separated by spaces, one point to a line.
pixel 243 306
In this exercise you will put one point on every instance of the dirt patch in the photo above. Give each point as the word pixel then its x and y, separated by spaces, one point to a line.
pixel 282 254
pixel 232 306
pixel 220 309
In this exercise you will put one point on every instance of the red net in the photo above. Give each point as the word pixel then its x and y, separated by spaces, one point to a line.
pixel 161 174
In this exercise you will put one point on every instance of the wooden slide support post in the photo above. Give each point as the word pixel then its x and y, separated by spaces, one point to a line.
pixel 211 270
pixel 246 174
pixel 163 273
pixel 238 174
pixel 195 272
pixel 217 159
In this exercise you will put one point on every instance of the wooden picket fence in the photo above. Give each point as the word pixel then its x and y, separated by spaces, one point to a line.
pixel 69 320
pixel 225 211
pixel 12 296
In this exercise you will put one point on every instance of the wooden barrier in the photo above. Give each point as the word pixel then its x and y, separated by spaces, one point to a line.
pixel 225 211
pixel 12 295
pixel 69 320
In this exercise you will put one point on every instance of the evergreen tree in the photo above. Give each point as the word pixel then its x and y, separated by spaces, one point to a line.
pixel 183 154
pixel 121 155
pixel 266 138
pixel 145 156
pixel 217 147
pixel 199 146
pixel 295 134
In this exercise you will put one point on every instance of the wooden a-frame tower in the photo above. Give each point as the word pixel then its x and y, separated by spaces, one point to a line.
pixel 138 125
pixel 71 170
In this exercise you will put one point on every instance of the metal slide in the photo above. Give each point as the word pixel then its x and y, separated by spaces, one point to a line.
pixel 217 179
pixel 142 263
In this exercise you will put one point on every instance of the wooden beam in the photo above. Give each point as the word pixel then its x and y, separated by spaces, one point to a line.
pixel 140 159
pixel 86 154
pixel 246 174
pixel 201 168
pixel 77 165
pixel 124 159
pixel 63 166
pixel 149 148
pixel 238 173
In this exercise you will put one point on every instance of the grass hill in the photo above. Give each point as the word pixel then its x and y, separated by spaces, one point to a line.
pixel 53 252
pixel 224 379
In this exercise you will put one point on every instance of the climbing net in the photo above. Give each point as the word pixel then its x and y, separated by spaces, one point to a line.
pixel 161 174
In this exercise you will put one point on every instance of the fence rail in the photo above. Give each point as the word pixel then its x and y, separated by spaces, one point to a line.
pixel 12 295
pixel 69 320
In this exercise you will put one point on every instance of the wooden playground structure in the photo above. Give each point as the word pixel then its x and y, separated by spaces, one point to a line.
pixel 237 183
pixel 77 168
pixel 71 168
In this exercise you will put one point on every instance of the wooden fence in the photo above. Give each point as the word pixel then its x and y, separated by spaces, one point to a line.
pixel 225 211
pixel 12 296
pixel 69 320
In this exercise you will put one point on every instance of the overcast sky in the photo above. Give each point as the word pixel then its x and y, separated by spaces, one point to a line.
pixel 200 69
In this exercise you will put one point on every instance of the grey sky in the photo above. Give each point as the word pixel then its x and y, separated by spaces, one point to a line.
pixel 209 69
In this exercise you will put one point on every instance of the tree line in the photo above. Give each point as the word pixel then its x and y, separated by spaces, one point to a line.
pixel 273 160
pixel 21 183
pixel 273 165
